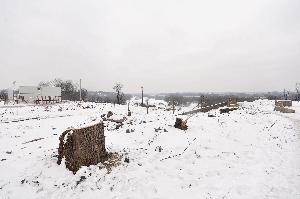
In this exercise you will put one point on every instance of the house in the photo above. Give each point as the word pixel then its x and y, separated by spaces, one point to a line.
pixel 34 94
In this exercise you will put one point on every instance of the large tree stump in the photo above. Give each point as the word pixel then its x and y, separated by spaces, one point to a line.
pixel 82 147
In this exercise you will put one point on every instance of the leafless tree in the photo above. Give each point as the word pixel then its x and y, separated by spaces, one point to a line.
pixel 120 95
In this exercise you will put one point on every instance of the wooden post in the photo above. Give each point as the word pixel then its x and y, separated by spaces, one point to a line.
pixel 142 96
pixel 129 112
pixel 147 107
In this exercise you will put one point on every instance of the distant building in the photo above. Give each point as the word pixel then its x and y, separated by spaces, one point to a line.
pixel 28 93
pixel 33 94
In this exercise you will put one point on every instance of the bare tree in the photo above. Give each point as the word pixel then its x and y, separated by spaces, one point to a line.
pixel 120 95
pixel 3 95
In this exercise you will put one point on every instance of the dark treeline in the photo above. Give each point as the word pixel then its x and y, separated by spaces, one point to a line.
pixel 3 95
pixel 207 99
pixel 70 91
pixel 106 97
pixel 184 99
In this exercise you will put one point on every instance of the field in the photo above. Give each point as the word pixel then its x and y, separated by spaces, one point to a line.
pixel 253 152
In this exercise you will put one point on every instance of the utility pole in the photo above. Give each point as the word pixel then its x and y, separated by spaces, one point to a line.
pixel 298 91
pixel 80 90
pixel 13 90
pixel 284 94
pixel 142 96
pixel 147 106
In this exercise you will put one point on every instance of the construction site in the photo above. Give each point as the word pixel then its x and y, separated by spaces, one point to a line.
pixel 139 99
pixel 80 149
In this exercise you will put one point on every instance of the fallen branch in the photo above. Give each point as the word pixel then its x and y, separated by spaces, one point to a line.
pixel 34 140
pixel 117 121
pixel 272 126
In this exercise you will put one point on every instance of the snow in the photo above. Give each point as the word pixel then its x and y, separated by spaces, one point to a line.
pixel 252 152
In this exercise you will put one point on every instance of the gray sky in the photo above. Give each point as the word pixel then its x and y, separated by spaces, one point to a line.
pixel 166 46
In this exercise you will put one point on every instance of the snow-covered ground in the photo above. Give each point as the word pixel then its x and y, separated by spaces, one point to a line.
pixel 253 152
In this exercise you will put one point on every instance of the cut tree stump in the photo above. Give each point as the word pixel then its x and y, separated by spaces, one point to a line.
pixel 180 124
pixel 109 114
pixel 82 147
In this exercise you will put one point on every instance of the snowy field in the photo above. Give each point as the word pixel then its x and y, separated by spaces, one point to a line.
pixel 253 152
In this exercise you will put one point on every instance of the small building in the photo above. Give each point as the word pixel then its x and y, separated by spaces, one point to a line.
pixel 34 94
pixel 28 93
pixel 49 94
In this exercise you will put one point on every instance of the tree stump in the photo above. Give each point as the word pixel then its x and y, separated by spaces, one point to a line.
pixel 109 114
pixel 82 147
pixel 180 124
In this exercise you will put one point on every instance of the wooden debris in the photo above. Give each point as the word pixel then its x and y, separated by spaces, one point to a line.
pixel 281 106
pixel 227 110
pixel 284 109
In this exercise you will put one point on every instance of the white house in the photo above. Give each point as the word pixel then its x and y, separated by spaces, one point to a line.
pixel 28 93
pixel 45 94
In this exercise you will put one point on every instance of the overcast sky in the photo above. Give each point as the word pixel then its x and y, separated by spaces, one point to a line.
pixel 166 46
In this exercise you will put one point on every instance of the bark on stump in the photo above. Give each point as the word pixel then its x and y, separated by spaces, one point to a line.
pixel 82 147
